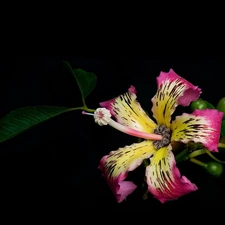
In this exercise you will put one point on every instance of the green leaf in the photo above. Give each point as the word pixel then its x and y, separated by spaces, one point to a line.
pixel 223 128
pixel 22 119
pixel 209 105
pixel 86 80
pixel 68 66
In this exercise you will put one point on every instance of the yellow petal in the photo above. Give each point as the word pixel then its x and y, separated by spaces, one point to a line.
pixel 164 179
pixel 172 90
pixel 117 164
pixel 128 158
pixel 128 112
pixel 201 126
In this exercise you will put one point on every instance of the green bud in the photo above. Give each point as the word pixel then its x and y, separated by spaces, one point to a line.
pixel 214 168
pixel 221 106
pixel 198 104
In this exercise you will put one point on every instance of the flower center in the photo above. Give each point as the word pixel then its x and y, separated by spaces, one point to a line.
pixel 166 133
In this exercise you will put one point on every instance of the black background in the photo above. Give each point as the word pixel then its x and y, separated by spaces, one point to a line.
pixel 54 165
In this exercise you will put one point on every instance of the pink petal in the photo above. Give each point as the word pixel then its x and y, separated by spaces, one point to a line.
pixel 172 91
pixel 214 118
pixel 190 93
pixel 164 179
pixel 117 164
pixel 201 126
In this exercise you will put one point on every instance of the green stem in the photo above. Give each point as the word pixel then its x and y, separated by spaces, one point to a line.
pixel 221 145
pixel 203 151
pixel 198 162
pixel 84 103
pixel 197 153
pixel 213 157
pixel 83 108
pixel 182 156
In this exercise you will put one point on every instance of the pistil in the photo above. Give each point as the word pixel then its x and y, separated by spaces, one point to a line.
pixel 102 117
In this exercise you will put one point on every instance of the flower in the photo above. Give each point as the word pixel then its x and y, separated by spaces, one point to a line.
pixel 162 176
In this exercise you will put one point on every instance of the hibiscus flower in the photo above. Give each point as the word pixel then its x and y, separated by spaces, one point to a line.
pixel 162 175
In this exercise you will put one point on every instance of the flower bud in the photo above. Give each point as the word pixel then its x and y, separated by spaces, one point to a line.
pixel 214 168
pixel 221 106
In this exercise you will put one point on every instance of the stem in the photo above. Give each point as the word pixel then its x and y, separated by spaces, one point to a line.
pixel 198 162
pixel 221 145
pixel 83 108
pixel 182 156
pixel 145 194
pixel 213 157
pixel 197 153
pixel 203 151
pixel 84 103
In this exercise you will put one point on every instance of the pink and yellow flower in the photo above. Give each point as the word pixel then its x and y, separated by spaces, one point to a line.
pixel 162 175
